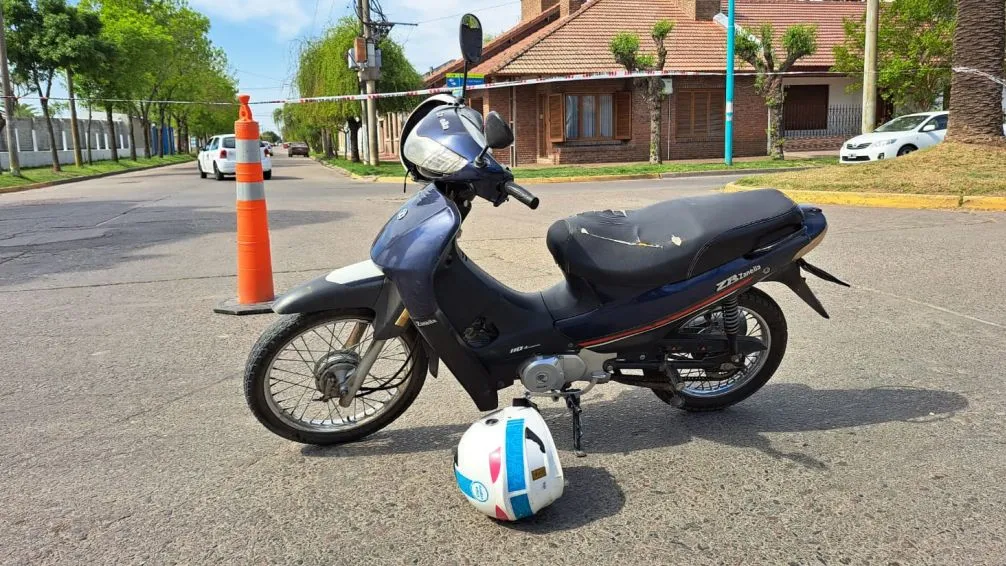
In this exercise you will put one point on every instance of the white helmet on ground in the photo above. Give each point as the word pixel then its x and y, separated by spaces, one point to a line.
pixel 507 465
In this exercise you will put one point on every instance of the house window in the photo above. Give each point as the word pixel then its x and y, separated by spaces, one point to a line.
pixel 699 114
pixel 589 116
pixel 806 107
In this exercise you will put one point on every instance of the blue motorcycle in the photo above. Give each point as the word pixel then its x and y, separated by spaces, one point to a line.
pixel 662 297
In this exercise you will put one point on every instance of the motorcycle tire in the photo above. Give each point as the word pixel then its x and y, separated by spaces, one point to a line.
pixel 755 301
pixel 281 334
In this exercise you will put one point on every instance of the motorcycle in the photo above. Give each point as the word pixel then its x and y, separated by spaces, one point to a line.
pixel 662 297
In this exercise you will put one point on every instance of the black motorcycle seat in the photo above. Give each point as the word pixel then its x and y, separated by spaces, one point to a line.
pixel 672 240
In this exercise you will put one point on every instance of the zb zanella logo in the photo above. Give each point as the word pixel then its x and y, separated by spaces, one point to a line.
pixel 738 277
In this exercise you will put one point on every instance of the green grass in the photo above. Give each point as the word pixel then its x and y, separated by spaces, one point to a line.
pixel 47 175
pixel 394 169
pixel 383 169
pixel 945 169
pixel 668 167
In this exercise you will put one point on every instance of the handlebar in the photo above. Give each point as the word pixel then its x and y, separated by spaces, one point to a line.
pixel 521 194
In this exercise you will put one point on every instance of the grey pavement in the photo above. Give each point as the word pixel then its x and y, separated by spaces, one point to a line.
pixel 126 438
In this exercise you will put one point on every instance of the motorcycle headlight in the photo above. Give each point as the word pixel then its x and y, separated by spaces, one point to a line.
pixel 431 156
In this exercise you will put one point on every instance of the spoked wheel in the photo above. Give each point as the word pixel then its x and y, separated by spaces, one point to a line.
pixel 706 390
pixel 302 363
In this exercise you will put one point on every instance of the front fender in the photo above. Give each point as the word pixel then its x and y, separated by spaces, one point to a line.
pixel 351 287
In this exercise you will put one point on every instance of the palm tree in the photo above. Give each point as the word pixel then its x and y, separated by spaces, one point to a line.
pixel 979 48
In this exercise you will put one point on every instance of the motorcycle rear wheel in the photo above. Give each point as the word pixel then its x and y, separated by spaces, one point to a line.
pixel 761 317
pixel 288 366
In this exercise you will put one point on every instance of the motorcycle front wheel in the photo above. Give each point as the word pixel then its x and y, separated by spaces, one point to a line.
pixel 761 318
pixel 302 356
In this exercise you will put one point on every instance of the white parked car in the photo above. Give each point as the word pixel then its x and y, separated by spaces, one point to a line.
pixel 898 137
pixel 219 158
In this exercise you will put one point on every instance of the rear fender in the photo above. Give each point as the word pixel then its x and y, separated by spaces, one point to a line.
pixel 792 278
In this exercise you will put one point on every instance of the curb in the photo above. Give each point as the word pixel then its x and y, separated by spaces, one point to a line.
pixel 887 200
pixel 20 188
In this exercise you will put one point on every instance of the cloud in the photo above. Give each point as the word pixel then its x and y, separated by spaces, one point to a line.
pixel 289 17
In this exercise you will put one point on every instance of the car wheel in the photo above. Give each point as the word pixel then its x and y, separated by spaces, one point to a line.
pixel 216 173
pixel 202 174
pixel 267 175
pixel 905 150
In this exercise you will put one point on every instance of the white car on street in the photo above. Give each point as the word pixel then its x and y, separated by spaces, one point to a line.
pixel 898 137
pixel 219 158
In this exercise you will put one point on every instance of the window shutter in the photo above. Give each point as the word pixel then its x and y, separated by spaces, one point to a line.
pixel 556 118
pixel 623 115
pixel 716 113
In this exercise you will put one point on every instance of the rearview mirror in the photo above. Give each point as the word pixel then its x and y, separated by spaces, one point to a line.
pixel 471 39
pixel 498 133
pixel 928 127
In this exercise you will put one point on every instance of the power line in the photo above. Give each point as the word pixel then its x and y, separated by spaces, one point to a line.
pixel 472 10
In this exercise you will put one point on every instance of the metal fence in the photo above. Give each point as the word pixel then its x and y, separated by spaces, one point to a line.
pixel 813 121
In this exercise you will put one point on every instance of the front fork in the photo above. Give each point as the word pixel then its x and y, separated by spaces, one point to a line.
pixel 355 381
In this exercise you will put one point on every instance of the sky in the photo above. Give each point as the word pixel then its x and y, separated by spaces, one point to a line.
pixel 262 37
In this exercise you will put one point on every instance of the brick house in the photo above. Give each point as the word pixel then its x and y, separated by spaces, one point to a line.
pixel 597 121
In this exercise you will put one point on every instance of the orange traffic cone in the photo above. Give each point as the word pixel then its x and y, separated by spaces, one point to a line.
pixel 255 289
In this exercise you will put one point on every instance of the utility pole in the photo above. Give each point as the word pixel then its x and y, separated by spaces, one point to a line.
pixel 870 66
pixel 371 82
pixel 728 137
pixel 8 102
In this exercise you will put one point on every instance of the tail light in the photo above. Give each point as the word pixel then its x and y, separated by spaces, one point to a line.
pixel 223 154
pixel 268 153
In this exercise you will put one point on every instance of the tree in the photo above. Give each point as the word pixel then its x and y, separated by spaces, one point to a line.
pixel 799 41
pixel 270 136
pixel 625 47
pixel 322 71
pixel 979 49
pixel 43 37
pixel 914 47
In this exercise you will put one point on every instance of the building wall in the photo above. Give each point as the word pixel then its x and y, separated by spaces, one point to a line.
pixel 837 94
pixel 751 121
pixel 32 138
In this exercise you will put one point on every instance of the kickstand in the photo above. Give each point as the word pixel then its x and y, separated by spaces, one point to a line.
pixel 573 403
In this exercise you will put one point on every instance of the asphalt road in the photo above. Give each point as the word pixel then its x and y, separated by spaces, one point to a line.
pixel 126 438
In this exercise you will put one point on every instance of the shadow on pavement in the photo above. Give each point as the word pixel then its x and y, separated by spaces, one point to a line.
pixel 38 240
pixel 637 420
pixel 590 494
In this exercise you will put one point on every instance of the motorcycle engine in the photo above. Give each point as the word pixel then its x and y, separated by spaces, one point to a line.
pixel 551 373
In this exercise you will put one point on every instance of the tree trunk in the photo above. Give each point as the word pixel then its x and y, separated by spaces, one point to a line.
pixel 89 160
pixel 112 136
pixel 74 127
pixel 354 142
pixel 145 124
pixel 327 142
pixel 979 42
pixel 160 134
pixel 775 139
pixel 655 130
pixel 132 138
pixel 52 135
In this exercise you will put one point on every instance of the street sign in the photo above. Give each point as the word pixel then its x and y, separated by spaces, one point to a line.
pixel 454 80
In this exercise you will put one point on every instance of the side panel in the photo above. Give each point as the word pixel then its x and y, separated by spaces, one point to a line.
pixel 615 324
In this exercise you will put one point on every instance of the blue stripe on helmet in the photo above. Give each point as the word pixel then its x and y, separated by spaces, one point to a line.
pixel 521 506
pixel 464 483
pixel 515 455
